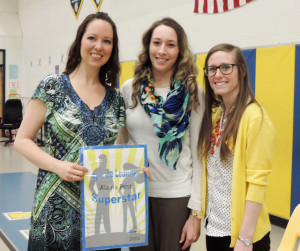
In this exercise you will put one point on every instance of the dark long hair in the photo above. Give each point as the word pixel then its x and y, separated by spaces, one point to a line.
pixel 212 100
pixel 108 73
pixel 185 67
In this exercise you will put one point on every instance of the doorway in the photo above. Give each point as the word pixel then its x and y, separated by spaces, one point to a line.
pixel 2 82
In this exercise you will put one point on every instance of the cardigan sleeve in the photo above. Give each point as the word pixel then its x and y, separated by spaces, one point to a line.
pixel 196 120
pixel 260 138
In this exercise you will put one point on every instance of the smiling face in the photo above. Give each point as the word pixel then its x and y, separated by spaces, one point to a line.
pixel 226 86
pixel 163 50
pixel 97 43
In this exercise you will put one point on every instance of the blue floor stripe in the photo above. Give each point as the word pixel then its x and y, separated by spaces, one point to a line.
pixel 16 195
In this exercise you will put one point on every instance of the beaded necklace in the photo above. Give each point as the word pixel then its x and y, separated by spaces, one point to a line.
pixel 216 134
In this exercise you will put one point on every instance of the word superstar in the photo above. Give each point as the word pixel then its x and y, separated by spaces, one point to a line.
pixel 119 199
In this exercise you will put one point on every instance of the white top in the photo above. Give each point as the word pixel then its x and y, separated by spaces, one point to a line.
pixel 166 182
pixel 219 179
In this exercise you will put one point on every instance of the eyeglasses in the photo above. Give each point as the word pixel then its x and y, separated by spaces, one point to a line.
pixel 224 68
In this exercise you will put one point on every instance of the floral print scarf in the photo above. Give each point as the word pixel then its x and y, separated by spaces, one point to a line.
pixel 171 118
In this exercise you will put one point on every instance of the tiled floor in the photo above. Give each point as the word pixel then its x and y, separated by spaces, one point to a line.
pixel 13 162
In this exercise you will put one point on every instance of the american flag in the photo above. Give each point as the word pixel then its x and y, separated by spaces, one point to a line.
pixel 217 6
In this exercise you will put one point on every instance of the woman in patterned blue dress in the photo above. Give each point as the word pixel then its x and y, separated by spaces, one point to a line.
pixel 79 108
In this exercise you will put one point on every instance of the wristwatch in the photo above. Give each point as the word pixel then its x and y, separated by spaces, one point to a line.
pixel 196 214
pixel 247 242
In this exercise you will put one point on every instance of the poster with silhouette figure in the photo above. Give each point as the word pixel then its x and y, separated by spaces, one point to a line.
pixel 114 198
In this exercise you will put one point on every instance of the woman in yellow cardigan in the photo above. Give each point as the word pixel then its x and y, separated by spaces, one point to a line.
pixel 236 143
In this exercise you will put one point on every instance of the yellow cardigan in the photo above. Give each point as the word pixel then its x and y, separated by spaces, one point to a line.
pixel 252 163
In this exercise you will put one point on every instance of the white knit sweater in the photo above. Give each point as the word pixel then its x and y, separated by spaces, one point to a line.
pixel 165 182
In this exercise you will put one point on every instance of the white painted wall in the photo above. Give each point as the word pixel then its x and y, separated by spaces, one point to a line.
pixel 11 37
pixel 47 28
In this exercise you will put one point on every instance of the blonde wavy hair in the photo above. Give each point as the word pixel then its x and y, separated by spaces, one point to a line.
pixel 185 67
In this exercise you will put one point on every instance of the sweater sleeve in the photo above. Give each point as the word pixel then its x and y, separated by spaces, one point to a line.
pixel 259 151
pixel 196 120
pixel 126 91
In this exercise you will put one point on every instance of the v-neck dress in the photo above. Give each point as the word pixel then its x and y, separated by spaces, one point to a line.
pixel 70 124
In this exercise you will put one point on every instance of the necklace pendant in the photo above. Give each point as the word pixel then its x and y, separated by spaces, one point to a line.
pixel 216 136
pixel 212 150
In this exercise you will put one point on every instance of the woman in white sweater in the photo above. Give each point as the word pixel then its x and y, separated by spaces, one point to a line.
pixel 164 109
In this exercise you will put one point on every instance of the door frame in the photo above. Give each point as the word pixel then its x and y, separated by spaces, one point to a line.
pixel 3 81
pixel 2 99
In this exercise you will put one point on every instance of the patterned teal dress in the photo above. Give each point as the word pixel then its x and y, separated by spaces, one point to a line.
pixel 70 124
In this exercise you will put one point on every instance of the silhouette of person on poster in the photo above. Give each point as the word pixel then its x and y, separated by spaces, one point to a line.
pixel 127 188
pixel 105 184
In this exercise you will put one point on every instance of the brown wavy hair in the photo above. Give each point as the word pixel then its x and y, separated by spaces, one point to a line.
pixel 109 72
pixel 185 67
pixel 212 101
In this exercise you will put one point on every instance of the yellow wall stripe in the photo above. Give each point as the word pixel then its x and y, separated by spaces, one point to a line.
pixel 127 72
pixel 274 90
pixel 200 59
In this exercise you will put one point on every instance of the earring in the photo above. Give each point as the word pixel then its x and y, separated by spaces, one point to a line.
pixel 106 79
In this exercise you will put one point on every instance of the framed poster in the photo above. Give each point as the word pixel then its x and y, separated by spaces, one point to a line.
pixel 114 197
